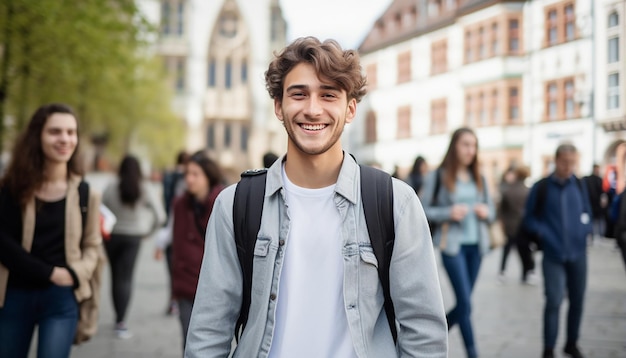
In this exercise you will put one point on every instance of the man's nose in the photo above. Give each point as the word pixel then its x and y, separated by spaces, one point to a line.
pixel 314 107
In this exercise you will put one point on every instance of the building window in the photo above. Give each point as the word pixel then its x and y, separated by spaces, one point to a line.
pixel 613 91
pixel 371 72
pixel 559 99
pixel 514 36
pixel 244 139
pixel 469 110
pixel 370 127
pixel 613 49
pixel 468 46
pixel 212 73
pixel 494 39
pixel 228 135
pixel 482 52
pixel 404 67
pixel 404 123
pixel 180 16
pixel 482 105
pixel 552 101
pixel 439 57
pixel 228 74
pixel 180 74
pixel 244 71
pixel 552 28
pixel 570 32
pixel 165 17
pixel 276 23
pixel 172 17
pixel 513 104
pixel 211 136
pixel 569 99
pixel 495 110
pixel 438 114
pixel 613 19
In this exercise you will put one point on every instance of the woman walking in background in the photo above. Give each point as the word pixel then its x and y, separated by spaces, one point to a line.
pixel 511 211
pixel 139 212
pixel 461 214
pixel 416 177
pixel 190 215
pixel 46 258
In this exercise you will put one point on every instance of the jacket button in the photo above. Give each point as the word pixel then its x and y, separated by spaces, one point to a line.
pixel 272 296
pixel 281 242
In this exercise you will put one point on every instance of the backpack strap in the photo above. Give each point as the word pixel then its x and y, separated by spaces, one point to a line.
pixel 247 212
pixel 377 198
pixel 83 199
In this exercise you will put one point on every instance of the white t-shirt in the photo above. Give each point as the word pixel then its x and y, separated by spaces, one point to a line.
pixel 310 315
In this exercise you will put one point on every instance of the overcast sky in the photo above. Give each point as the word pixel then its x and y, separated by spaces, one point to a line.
pixel 347 21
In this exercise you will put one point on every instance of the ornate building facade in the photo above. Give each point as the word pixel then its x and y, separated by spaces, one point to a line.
pixel 216 53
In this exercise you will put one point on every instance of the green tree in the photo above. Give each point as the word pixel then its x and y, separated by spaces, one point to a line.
pixel 91 54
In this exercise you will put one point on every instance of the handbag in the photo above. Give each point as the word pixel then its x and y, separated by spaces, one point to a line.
pixel 497 237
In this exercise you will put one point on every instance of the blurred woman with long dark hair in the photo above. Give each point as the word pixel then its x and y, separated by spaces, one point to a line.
pixel 47 258
pixel 139 213
pixel 461 213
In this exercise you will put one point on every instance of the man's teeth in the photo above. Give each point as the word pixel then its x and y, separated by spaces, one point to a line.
pixel 313 127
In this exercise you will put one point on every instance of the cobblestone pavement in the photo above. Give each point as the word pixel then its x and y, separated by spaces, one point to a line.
pixel 507 317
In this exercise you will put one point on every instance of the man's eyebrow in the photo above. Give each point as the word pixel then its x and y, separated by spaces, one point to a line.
pixel 330 88
pixel 297 87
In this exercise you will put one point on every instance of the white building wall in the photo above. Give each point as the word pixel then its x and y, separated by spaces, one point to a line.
pixel 538 139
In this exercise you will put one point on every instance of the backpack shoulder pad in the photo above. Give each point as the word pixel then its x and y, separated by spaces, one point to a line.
pixel 253 172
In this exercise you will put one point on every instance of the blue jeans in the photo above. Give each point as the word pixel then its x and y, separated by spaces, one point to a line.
pixel 54 309
pixel 558 276
pixel 463 270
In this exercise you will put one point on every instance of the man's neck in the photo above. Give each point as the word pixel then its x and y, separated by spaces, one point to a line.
pixel 313 171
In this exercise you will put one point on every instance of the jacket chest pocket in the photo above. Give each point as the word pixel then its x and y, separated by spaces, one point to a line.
pixel 368 271
pixel 261 265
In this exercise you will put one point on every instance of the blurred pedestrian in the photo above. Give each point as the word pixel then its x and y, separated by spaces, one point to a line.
pixel 46 257
pixel 268 159
pixel 598 200
pixel 173 186
pixel 139 213
pixel 510 212
pixel 462 212
pixel 315 289
pixel 562 223
pixel 416 176
pixel 190 215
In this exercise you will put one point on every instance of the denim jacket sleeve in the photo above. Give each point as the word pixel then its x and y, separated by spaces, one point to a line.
pixel 218 296
pixel 414 281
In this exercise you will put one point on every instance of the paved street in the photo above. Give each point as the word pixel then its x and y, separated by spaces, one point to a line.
pixel 507 317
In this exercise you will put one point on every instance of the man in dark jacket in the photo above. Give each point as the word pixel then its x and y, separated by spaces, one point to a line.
pixel 563 225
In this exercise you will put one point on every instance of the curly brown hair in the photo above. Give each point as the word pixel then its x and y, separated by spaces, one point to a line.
pixel 25 173
pixel 331 62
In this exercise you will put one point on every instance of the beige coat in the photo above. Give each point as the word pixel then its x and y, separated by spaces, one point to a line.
pixel 81 257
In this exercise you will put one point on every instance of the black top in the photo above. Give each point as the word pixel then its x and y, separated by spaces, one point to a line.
pixel 32 269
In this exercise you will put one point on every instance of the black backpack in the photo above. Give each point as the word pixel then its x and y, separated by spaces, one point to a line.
pixel 377 197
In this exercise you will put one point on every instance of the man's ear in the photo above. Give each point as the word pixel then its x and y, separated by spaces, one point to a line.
pixel 278 111
pixel 350 110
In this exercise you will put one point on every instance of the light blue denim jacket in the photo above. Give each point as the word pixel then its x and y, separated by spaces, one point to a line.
pixel 439 213
pixel 414 283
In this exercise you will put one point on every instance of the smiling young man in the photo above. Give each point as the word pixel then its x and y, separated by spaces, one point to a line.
pixel 315 287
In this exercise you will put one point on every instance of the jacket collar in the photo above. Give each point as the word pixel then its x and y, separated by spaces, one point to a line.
pixel 345 186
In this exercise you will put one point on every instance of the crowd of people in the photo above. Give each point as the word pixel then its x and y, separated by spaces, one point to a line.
pixel 311 282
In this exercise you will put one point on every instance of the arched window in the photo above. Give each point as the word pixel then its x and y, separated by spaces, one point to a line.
pixel 613 19
pixel 228 74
